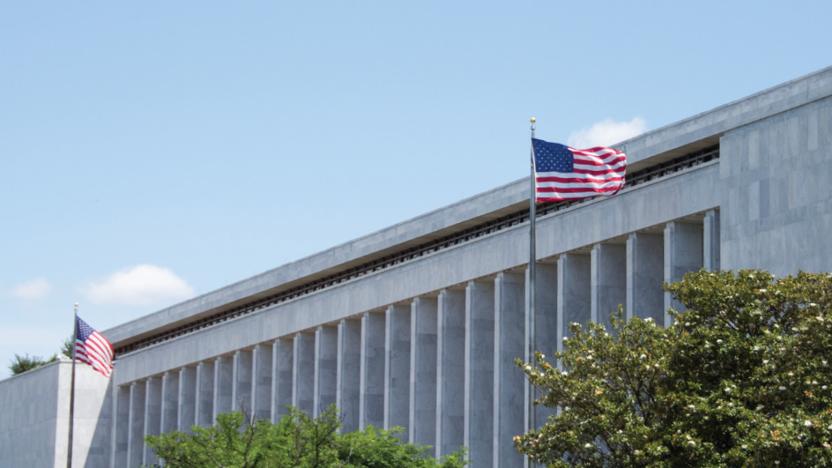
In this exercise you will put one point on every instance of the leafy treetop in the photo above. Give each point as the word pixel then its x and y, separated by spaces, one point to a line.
pixel 297 440
pixel 741 378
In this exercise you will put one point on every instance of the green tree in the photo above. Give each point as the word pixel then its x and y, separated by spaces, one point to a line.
pixel 297 440
pixel 66 347
pixel 375 448
pixel 25 362
pixel 229 443
pixel 740 379
pixel 21 364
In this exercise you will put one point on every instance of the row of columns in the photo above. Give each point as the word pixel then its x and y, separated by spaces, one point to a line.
pixel 441 367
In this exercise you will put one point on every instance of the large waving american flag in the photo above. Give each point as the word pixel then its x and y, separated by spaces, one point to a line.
pixel 92 348
pixel 564 173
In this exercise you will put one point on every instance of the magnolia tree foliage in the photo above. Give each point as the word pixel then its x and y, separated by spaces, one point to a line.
pixel 297 440
pixel 742 378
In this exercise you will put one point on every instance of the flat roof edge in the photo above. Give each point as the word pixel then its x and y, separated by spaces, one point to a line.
pixel 703 126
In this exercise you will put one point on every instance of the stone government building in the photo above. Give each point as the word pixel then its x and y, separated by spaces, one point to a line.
pixel 417 325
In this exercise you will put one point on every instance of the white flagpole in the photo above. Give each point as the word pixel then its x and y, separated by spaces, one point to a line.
pixel 72 387
pixel 532 269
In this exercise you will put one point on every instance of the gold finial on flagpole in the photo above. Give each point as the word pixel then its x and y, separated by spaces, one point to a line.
pixel 532 121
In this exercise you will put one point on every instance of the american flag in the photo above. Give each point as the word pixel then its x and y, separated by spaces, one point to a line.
pixel 564 173
pixel 92 348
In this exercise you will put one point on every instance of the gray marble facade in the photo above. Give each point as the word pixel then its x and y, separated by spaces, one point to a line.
pixel 428 343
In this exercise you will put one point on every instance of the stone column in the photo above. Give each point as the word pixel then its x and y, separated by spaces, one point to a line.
pixel 303 372
pixel 509 340
pixel 371 405
pixel 546 328
pixel 608 282
pixel 186 396
pixel 135 429
pixel 241 389
pixel 326 344
pixel 261 382
pixel 682 254
pixel 711 241
pixel 121 426
pixel 574 292
pixel 282 372
pixel 205 393
pixel 152 415
pixel 397 368
pixel 450 371
pixel 423 321
pixel 645 273
pixel 223 382
pixel 170 402
pixel 348 374
pixel 103 442
pixel 478 405
pixel 111 460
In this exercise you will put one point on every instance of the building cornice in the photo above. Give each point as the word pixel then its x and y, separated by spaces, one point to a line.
pixel 665 143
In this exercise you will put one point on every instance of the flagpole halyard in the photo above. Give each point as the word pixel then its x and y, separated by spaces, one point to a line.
pixel 532 270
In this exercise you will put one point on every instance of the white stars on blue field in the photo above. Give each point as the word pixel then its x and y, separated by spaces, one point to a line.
pixel 551 157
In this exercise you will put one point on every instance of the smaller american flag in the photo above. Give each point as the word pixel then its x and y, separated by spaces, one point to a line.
pixel 564 173
pixel 92 348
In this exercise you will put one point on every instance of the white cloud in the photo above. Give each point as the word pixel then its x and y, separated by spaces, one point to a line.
pixel 607 132
pixel 139 285
pixel 37 288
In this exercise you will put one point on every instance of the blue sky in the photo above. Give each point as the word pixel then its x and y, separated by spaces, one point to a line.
pixel 151 151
